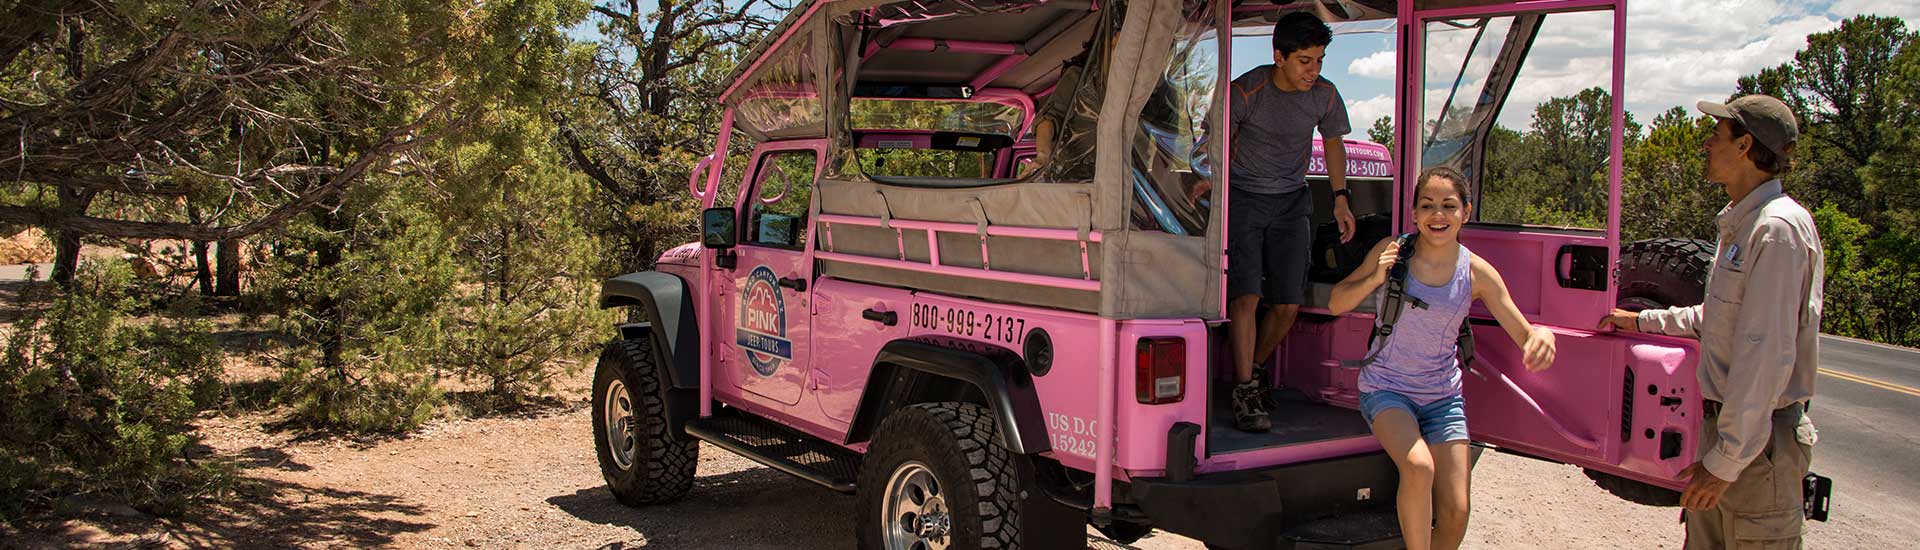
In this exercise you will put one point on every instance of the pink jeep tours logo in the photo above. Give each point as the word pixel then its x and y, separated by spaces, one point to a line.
pixel 761 328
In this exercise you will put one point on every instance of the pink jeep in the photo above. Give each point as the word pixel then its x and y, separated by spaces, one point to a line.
pixel 893 301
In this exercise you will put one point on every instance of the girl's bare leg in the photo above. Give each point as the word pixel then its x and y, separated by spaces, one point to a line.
pixel 1452 485
pixel 1399 434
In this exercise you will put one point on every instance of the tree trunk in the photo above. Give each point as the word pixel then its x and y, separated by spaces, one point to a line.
pixel 66 256
pixel 227 262
pixel 333 330
pixel 66 240
pixel 202 273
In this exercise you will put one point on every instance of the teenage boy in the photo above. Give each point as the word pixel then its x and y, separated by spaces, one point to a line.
pixel 1275 111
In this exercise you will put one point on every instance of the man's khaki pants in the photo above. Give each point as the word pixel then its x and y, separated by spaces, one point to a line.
pixel 1762 510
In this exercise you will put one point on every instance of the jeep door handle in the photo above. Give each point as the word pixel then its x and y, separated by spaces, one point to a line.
pixel 795 283
pixel 887 318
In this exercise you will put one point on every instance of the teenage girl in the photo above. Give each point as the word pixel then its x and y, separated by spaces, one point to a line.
pixel 1410 393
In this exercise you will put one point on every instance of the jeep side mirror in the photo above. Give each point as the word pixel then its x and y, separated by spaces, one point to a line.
pixel 717 229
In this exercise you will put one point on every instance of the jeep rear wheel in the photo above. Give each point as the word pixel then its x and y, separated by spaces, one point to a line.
pixel 641 459
pixel 935 480
pixel 1661 273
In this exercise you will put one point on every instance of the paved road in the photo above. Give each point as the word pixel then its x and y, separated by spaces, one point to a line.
pixel 1867 407
pixel 18 272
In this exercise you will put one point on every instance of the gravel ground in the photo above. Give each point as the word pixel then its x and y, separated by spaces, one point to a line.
pixel 531 482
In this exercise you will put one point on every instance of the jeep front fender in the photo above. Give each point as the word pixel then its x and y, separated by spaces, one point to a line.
pixel 668 307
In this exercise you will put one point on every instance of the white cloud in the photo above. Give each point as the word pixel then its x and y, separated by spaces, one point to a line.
pixel 1678 52
pixel 1376 65
pixel 1362 113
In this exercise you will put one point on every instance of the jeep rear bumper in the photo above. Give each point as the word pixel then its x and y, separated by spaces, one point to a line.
pixel 1342 502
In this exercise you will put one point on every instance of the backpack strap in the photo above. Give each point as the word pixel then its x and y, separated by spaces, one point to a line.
pixel 1464 347
pixel 1391 304
pixel 1394 302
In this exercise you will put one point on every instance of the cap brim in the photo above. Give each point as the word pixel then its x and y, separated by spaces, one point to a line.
pixel 1716 109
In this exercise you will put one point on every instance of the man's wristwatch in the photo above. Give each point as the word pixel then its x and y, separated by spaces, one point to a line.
pixel 1348 193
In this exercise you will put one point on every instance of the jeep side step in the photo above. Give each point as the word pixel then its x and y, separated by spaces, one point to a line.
pixel 780 448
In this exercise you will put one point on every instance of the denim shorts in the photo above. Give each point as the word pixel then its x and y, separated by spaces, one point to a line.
pixel 1440 421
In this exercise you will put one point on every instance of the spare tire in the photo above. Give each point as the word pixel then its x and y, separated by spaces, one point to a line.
pixel 1660 273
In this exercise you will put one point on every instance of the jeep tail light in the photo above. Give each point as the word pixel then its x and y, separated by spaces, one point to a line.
pixel 1160 370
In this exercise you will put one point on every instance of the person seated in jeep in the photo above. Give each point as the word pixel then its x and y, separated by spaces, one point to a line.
pixel 1411 384
pixel 1275 110
pixel 1059 127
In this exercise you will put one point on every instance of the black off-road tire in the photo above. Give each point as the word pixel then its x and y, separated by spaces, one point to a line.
pixel 980 480
pixel 661 466
pixel 1660 273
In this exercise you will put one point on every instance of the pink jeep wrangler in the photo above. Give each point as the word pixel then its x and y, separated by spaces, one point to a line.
pixel 894 300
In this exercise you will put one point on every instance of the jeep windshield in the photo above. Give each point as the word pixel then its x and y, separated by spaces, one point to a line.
pixel 979 117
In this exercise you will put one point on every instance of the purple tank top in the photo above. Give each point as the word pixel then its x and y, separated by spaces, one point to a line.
pixel 1419 360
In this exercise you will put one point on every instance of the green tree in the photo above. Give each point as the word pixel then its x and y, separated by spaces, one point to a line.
pixel 362 286
pixel 1382 132
pixel 518 232
pixel 148 106
pixel 1842 89
pixel 1891 178
pixel 1555 174
pixel 1665 191
pixel 640 112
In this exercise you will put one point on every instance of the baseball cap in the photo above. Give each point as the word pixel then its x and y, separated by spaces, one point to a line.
pixel 1766 117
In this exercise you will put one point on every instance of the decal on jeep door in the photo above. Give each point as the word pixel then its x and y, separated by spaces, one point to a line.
pixel 761 326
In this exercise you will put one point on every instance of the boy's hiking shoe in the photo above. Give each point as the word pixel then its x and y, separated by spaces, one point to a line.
pixel 1249 413
pixel 1263 375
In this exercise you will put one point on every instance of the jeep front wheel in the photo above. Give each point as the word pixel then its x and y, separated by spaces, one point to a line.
pixel 935 480
pixel 641 459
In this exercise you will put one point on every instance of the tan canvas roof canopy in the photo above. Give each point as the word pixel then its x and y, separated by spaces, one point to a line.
pixel 800 81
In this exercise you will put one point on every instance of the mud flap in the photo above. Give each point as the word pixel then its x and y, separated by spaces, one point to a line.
pixel 1045 522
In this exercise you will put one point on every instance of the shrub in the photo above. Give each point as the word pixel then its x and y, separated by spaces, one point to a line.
pixel 92 402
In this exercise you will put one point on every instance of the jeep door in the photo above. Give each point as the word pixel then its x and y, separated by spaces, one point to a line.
pixel 764 299
pixel 1522 97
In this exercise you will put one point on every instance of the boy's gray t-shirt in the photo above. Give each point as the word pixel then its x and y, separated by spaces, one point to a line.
pixel 1273 130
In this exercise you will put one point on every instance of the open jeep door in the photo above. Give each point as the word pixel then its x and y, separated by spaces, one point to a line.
pixel 1477 76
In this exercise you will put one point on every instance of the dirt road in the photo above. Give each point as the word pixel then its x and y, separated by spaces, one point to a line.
pixel 531 482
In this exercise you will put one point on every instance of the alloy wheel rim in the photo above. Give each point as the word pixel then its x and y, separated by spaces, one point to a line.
pixel 619 432
pixel 915 513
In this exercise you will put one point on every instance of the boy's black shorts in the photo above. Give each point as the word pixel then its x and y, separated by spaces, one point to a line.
pixel 1269 245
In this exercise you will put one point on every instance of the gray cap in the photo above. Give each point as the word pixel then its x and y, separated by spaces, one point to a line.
pixel 1767 118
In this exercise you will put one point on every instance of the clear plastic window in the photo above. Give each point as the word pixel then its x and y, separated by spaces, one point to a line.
pixel 1169 161
pixel 782 99
pixel 1531 93
pixel 783 187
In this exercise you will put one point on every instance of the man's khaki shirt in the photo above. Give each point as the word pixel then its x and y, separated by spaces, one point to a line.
pixel 1759 327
